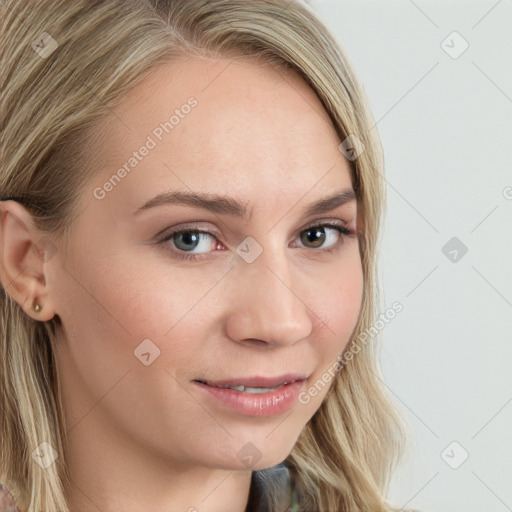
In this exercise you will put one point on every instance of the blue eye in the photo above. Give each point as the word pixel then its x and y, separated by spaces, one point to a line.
pixel 186 240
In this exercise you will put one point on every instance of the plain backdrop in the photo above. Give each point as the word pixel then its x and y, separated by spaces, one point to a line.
pixel 438 75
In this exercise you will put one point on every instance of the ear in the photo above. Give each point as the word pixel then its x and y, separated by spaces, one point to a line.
pixel 24 251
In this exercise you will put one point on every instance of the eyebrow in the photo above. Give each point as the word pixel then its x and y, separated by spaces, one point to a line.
pixel 225 205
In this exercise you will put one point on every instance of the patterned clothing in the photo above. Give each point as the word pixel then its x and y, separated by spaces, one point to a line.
pixel 294 501
pixel 278 481
pixel 7 503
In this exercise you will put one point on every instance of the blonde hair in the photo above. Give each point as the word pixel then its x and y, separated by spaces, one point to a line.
pixel 51 105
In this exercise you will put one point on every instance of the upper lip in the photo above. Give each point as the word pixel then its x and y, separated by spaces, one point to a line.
pixel 256 381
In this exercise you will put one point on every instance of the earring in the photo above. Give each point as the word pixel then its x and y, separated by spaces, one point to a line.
pixel 37 308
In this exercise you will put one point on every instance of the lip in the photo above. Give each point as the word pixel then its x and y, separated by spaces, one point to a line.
pixel 256 405
pixel 256 381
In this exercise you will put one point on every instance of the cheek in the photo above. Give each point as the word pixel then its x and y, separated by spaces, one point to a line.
pixel 339 304
pixel 347 310
pixel 156 302
pixel 338 308
pixel 107 310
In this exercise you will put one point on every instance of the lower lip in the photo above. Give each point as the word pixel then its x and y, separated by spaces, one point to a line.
pixel 256 404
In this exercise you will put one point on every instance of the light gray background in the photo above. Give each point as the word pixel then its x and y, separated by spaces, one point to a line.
pixel 446 128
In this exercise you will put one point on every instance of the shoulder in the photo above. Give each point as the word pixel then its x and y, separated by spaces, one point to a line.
pixel 7 503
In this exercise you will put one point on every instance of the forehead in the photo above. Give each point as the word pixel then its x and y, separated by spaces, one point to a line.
pixel 218 125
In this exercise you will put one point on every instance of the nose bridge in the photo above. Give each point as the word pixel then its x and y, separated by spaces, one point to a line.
pixel 272 308
pixel 273 270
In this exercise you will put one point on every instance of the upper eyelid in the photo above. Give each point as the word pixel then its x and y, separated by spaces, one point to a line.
pixel 191 226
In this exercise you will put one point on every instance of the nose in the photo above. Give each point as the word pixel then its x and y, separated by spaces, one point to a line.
pixel 269 306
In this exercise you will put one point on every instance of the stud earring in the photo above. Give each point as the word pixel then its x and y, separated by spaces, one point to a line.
pixel 37 308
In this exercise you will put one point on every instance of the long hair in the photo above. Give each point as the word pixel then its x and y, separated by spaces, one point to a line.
pixel 96 51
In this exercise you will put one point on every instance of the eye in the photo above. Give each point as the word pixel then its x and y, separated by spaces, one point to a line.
pixel 317 235
pixel 186 240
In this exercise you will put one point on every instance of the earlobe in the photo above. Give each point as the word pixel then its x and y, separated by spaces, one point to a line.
pixel 24 250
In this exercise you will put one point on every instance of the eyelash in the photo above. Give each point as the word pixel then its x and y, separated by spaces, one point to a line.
pixel 340 227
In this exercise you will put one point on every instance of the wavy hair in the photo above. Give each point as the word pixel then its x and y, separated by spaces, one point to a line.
pixel 345 455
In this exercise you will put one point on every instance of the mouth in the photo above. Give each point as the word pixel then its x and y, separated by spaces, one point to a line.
pixel 260 397
pixel 254 385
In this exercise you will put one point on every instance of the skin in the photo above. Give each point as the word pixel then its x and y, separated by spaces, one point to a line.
pixel 143 437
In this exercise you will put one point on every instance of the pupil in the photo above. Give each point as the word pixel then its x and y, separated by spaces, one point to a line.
pixel 190 238
pixel 312 233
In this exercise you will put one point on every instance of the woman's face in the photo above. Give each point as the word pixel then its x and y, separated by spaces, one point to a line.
pixel 143 321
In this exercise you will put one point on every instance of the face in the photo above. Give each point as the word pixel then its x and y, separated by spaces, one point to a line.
pixel 156 301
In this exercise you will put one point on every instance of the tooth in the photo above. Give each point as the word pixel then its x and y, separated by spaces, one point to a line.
pixel 259 390
pixel 255 390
